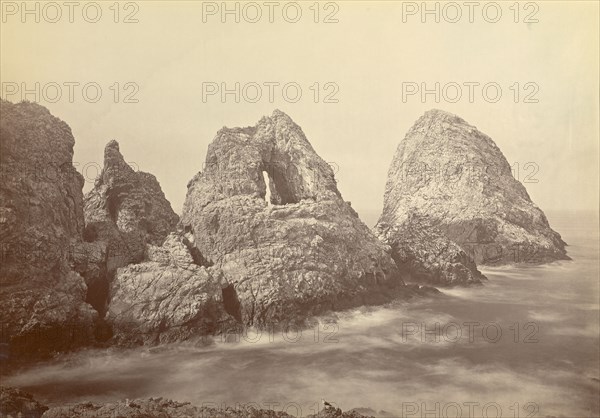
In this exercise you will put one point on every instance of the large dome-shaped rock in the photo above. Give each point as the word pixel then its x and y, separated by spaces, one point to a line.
pixel 267 212
pixel 453 178
pixel 125 211
pixel 42 300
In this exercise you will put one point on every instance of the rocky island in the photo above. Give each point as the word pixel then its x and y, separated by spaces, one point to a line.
pixel 265 240
pixel 451 180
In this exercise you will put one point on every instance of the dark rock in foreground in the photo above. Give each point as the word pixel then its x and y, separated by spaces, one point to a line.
pixel 14 402
pixel 17 403
pixel 158 408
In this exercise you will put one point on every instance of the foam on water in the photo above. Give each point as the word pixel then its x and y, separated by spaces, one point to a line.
pixel 546 356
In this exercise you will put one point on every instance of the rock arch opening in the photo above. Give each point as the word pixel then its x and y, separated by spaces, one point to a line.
pixel 267 188
pixel 279 184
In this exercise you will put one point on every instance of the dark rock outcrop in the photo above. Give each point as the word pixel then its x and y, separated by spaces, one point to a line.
pixel 17 403
pixel 41 215
pixel 160 408
pixel 329 411
pixel 132 200
pixel 454 179
pixel 266 211
pixel 125 211
pixel 240 260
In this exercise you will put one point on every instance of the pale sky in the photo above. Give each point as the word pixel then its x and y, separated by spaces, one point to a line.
pixel 370 54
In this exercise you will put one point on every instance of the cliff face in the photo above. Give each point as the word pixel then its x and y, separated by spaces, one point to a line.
pixel 266 211
pixel 455 179
pixel 41 215
pixel 45 303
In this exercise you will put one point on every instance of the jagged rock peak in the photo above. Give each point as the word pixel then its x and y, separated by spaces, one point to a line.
pixel 275 146
pixel 266 211
pixel 276 116
pixel 125 211
pixel 133 200
pixel 455 178
pixel 112 154
pixel 111 146
pixel 114 165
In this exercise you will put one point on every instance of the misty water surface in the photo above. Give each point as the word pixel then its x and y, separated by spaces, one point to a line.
pixel 545 362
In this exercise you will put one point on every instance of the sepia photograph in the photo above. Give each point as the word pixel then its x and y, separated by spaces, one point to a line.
pixel 285 209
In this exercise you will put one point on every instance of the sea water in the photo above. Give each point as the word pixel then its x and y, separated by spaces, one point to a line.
pixel 525 344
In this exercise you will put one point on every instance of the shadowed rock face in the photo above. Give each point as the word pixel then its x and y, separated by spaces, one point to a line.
pixel 302 252
pixel 452 178
pixel 423 254
pixel 41 215
pixel 124 211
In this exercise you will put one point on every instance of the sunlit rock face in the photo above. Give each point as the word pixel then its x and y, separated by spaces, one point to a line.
pixel 42 299
pixel 452 179
pixel 169 298
pixel 302 251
